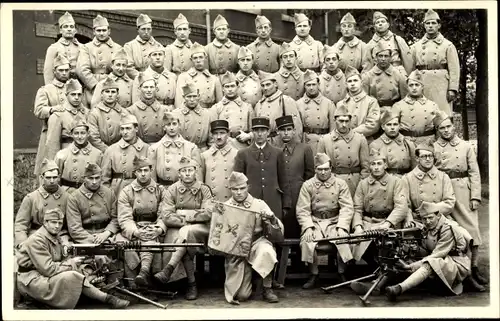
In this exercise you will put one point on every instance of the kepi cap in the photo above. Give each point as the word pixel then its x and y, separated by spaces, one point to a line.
pixel 260 122
pixel 283 121
pixel 219 124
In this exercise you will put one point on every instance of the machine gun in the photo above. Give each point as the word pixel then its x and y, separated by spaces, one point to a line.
pixel 117 252
pixel 393 247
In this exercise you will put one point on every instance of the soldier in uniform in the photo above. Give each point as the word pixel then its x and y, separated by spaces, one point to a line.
pixel 46 276
pixel 94 60
pixel 309 51
pixel 458 159
pixel 177 54
pixel 165 80
pixel 67 46
pixel 248 80
pixel 59 124
pixel 208 85
pixel 218 161
pixel 316 111
pixel 104 119
pixel 324 209
pixel 139 217
pixel 118 74
pixel 235 110
pixel 416 112
pixel 364 109
pixel 351 50
pixel 289 77
pixel 347 149
pixel 91 210
pixel 138 49
pixel 264 165
pixel 400 52
pixel 48 99
pixel 262 257
pixel 299 167
pixel 275 104
pixel 166 154
pixel 72 159
pixel 399 150
pixel 148 110
pixel 187 212
pixel 265 51
pixel 332 82
pixel 437 58
pixel 384 82
pixel 222 53
pixel 48 196
pixel 117 162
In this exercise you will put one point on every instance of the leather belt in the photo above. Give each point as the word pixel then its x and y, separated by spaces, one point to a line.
pixel 164 182
pixel 22 269
pixel 410 133
pixel 168 101
pixel 316 70
pixel 95 226
pixel 65 182
pixel 317 131
pixel 377 214
pixel 150 140
pixel 326 214
pixel 347 170
pixel 387 103
pixel 145 217
pixel 456 174
pixel 398 170
pixel 432 67
pixel 122 176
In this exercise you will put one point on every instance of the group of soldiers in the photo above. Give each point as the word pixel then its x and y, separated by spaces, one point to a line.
pixel 137 141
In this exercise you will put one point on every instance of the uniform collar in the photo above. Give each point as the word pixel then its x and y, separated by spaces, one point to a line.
pixel 309 40
pixel 52 238
pixel 439 39
pixel 316 99
pixel 277 94
pixel 65 42
pixel 441 221
pixel 75 150
pixel 352 43
pixel 57 83
pixel 383 180
pixel 57 194
pixel 193 72
pixel 114 77
pixel 360 96
pixel 256 151
pixel 387 140
pixel 453 142
pixel 141 105
pixel 347 137
pixel 88 193
pixel 74 110
pixel 178 141
pixel 241 77
pixel 156 75
pixel 151 187
pixel 151 40
pixel 290 147
pixel 379 71
pixel 108 42
pixel 219 44
pixel 432 173
pixel 106 109
pixel 296 72
pixel 247 203
pixel 269 42
pixel 328 183
pixel 387 36
pixel 237 101
pixel 328 77
pixel 179 44
pixel 139 144
pixel 224 150
pixel 409 100
pixel 186 110
pixel 193 188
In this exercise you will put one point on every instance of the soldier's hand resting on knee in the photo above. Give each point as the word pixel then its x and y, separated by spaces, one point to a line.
pixel 341 232
pixel 308 235
pixel 101 237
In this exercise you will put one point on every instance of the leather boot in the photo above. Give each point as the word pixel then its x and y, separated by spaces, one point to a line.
pixel 311 283
pixel 164 275
pixel 472 284
pixel 192 291
pixel 142 279
pixel 116 303
pixel 269 296
pixel 478 277
pixel 393 292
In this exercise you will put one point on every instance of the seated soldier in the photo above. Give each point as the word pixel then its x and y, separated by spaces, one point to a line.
pixel 262 257
pixel 379 203
pixel 324 209
pixel 45 276
pixel 138 205
pixel 446 260
pixel 186 211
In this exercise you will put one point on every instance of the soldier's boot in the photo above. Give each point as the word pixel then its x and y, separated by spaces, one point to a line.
pixel 474 263
pixel 311 282
pixel 94 293
pixel 476 275
pixel 412 281
pixel 392 292
pixel 116 303
pixel 192 291
pixel 472 284
pixel 164 275
pixel 142 279
pixel 267 290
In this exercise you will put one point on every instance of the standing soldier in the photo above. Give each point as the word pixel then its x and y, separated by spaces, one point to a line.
pixel 416 112
pixel 67 46
pixel 138 49
pixel 104 119
pixel 72 159
pixel 59 124
pixel 235 111
pixel 299 167
pixel 351 50
pixel 364 109
pixel 166 154
pixel 316 111
pixel 222 53
pixel 265 51
pixel 165 80
pixel 309 51
pixel 437 58
pixel 275 104
pixel 187 213
pixel 264 166
pixel 118 74
pixel 289 77
pixel 117 162
pixel 400 52
pixel 384 82
pixel 148 110
pixel 347 149
pixel 94 60
pixel 48 99
pixel 177 54
pixel 458 159
pixel 208 85
pixel 332 82
pixel 249 83
pixel 324 209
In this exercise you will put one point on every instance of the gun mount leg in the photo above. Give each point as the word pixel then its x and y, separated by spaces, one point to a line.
pixel 364 298
pixel 331 287
pixel 161 306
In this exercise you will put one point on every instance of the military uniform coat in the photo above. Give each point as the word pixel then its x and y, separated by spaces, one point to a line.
pixel 387 86
pixel 266 55
pixel 333 87
pixel 117 163
pixel 438 61
pixel 165 81
pixel 124 84
pixel 458 155
pixel 216 167
pixel 138 52
pixel 69 48
pixel 104 125
pixel 177 56
pixel 265 170
pixel 348 152
pixel 365 113
pixel 351 53
pixel 91 212
pixel 309 53
pixel 400 153
pixel 150 118
pixel 316 114
pixel 324 206
pixel 401 55
pixel 195 126
pixel 291 83
pixel 222 57
pixel 249 88
pixel 209 87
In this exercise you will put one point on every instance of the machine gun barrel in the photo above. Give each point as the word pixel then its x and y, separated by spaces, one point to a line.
pixel 368 235
pixel 136 246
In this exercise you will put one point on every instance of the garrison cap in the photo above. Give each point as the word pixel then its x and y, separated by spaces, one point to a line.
pixel 109 83
pixel 140 162
pixel 261 20
pixel 260 122
pixel 79 122
pixel 415 75
pixel 145 76
pixel 53 214
pixel 428 208
pixel 100 21
pixel 283 121
pixel 381 46
pixel 48 165
pixel 300 17
pixel 219 124
pixel 187 162
pixel 143 19
pixel 285 47
pixel 351 71
pixel 387 116
pixel 237 178
pixel 197 48
pixel 73 85
pixel 244 52
pixel 376 154
pixel 92 169
pixel 180 20
pixel 348 18
pixel 60 60
pixel 127 118
pixel 310 75
pixel 157 48
pixel 227 78
pixel 431 15
pixel 172 115
pixel 66 18
pixel 220 21
pixel 321 159
pixel 263 76
pixel 329 50
pixel 341 111
pixel 427 146
pixel 120 54
pixel 189 88
pixel 377 15
pixel 439 118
